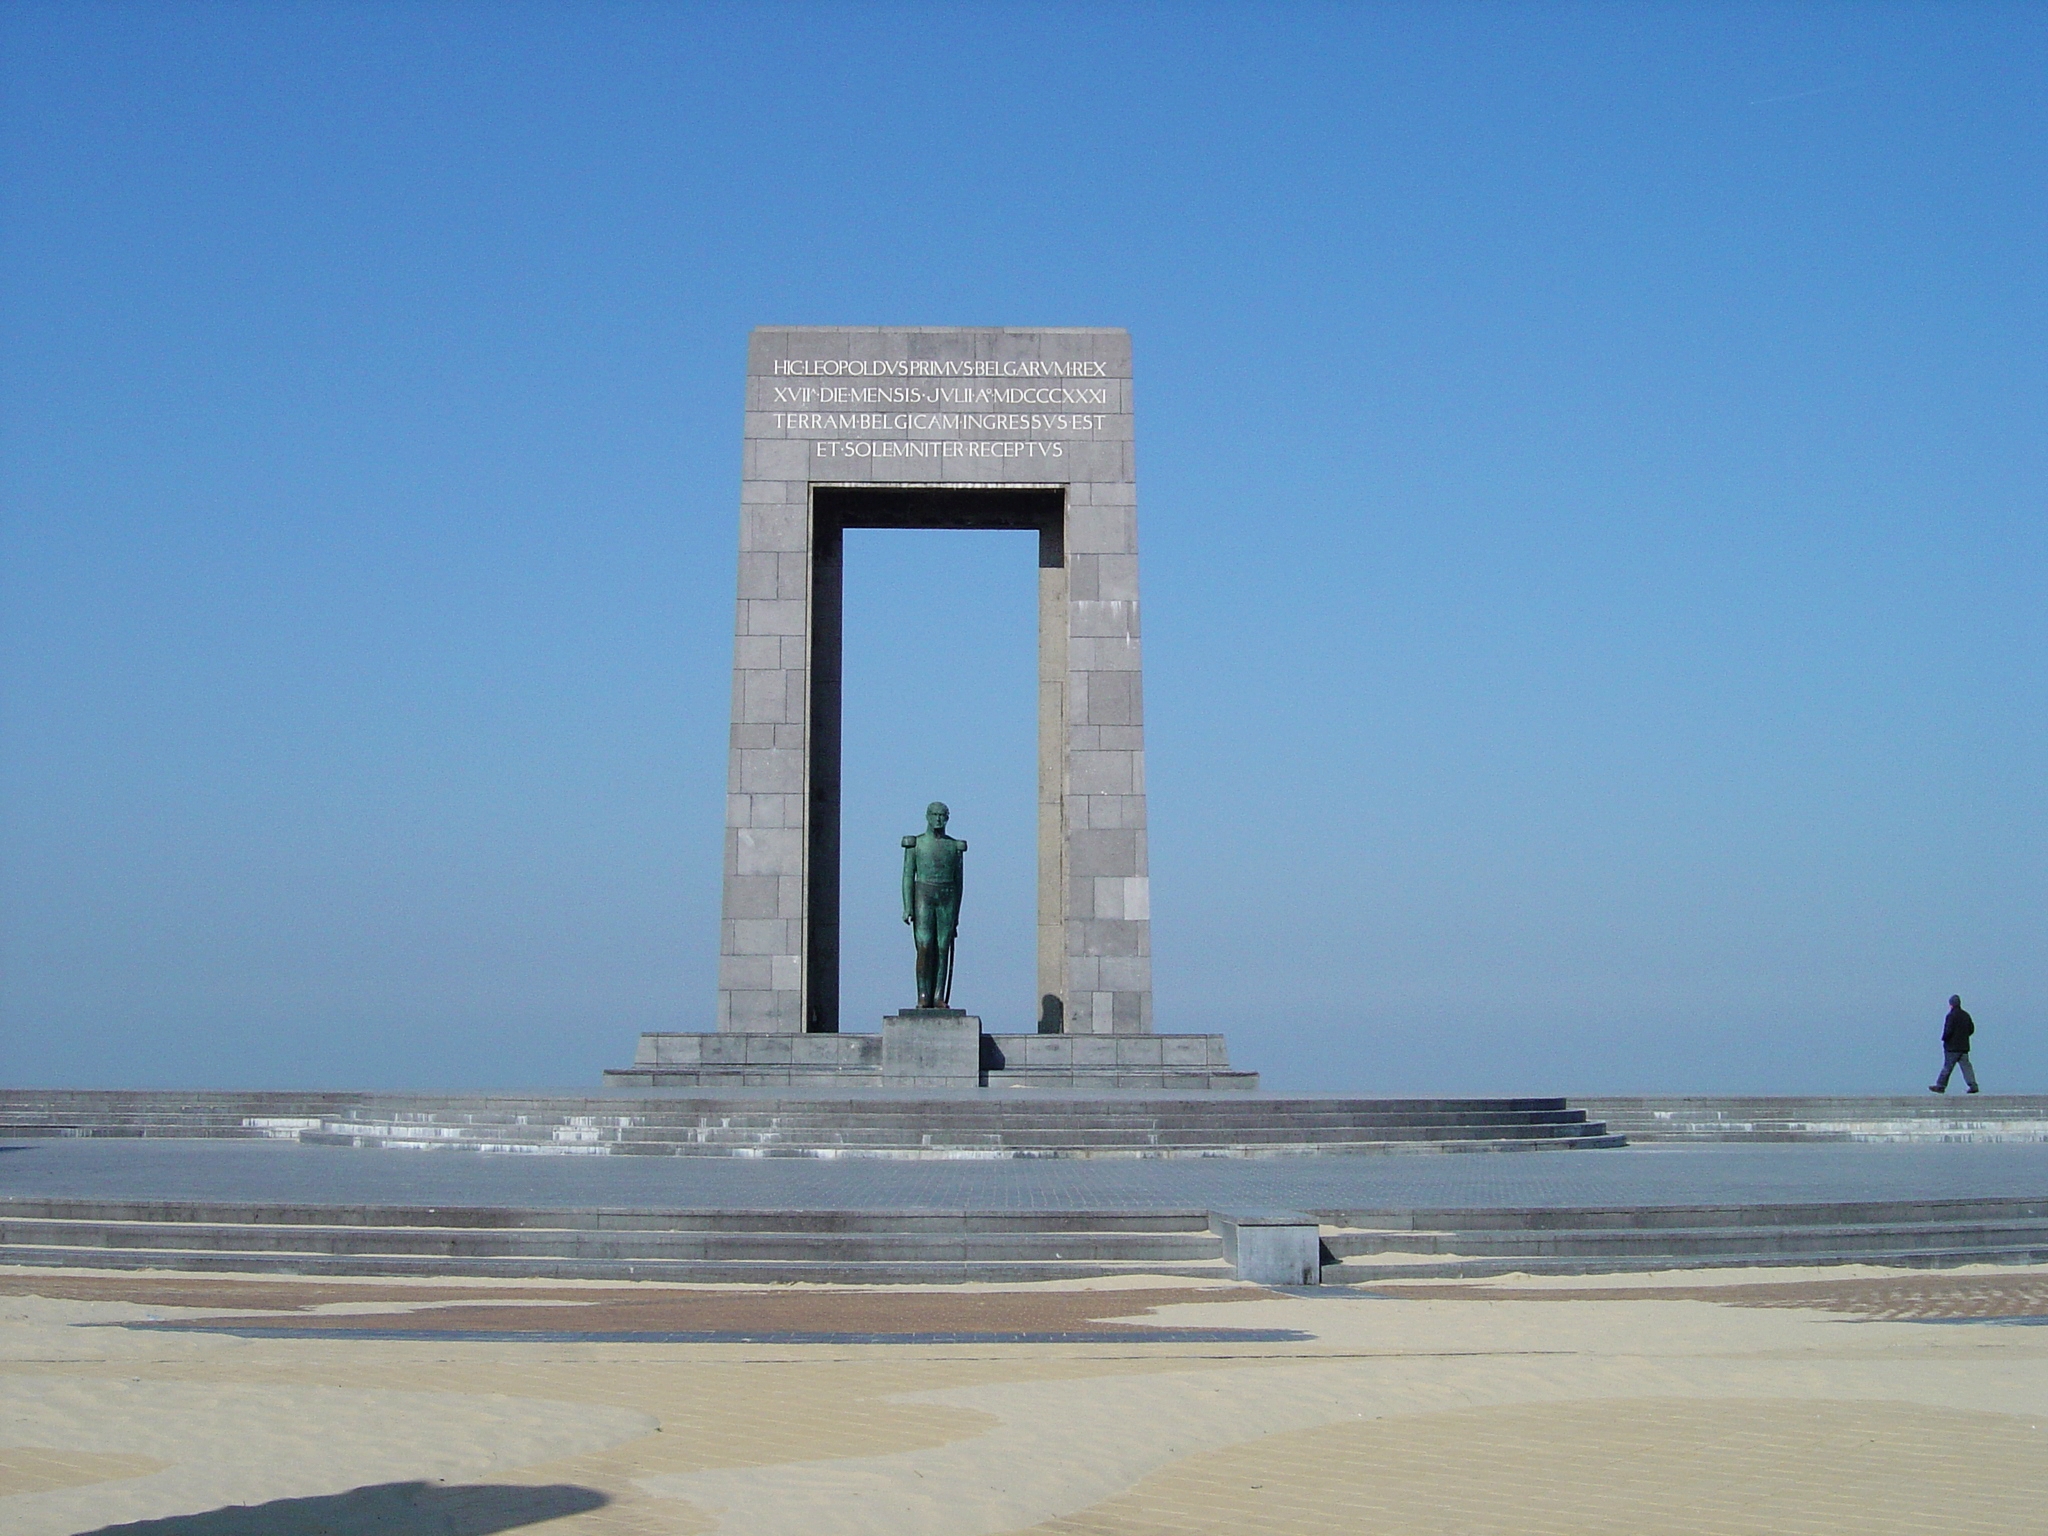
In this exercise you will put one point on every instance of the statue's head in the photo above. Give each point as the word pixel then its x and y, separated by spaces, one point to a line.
pixel 1954 1002
pixel 935 816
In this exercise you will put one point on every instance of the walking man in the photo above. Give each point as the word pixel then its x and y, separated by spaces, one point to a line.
pixel 1956 1030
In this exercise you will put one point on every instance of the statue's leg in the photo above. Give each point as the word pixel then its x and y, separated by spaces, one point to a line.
pixel 949 929
pixel 928 964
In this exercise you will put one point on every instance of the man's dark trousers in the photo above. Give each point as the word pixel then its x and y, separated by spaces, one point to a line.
pixel 1956 1030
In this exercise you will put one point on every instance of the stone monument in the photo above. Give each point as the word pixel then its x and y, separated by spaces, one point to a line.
pixel 925 427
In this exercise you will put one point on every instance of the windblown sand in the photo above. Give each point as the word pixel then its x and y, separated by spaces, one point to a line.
pixel 1761 1402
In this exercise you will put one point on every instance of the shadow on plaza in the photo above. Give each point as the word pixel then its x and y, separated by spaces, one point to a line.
pixel 383 1509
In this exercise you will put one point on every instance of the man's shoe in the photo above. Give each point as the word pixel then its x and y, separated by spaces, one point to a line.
pixel 1936 1088
pixel 1973 1090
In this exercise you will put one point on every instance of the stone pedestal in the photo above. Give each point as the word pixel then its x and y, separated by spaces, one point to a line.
pixel 931 1048
pixel 1070 1063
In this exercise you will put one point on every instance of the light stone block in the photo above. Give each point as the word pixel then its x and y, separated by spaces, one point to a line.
pixel 1130 1012
pixel 1116 812
pixel 753 653
pixel 776 459
pixel 1101 936
pixel 1103 653
pixel 1117 578
pixel 1112 698
pixel 775 616
pixel 760 575
pixel 1102 773
pixel 772 771
pixel 764 697
pixel 777 527
pixel 768 851
pixel 1271 1247
pixel 752 896
pixel 1096 852
pixel 1097 1052
pixel 931 1050
pixel 1124 973
pixel 761 936
pixel 745 973
pixel 1105 619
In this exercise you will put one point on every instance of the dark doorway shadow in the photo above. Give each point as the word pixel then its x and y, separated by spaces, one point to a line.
pixel 384 1509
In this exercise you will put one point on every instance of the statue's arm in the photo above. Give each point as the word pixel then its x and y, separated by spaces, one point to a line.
pixel 909 872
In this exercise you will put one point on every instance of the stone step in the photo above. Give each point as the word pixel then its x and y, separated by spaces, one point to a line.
pixel 1447 1242
pixel 1698 1242
pixel 666 1127
pixel 722 1124
pixel 1923 1116
pixel 963 1123
pixel 1367 1271
pixel 970 1248
pixel 753 1244
pixel 968 1101
pixel 956 1134
pixel 915 1134
pixel 700 1271
pixel 175 1130
pixel 1688 1217
pixel 940 1152
pixel 604 1219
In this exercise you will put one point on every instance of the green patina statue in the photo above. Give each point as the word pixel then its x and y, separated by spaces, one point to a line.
pixel 931 904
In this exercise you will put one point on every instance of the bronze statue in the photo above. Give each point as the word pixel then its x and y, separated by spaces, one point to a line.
pixel 931 904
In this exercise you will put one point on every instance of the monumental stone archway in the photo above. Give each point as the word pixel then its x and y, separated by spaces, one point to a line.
pixel 936 428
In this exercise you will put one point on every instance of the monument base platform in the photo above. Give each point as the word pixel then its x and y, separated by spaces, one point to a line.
pixel 976 1124
pixel 902 1055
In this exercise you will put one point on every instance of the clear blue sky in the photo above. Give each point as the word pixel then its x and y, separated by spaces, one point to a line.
pixel 1592 469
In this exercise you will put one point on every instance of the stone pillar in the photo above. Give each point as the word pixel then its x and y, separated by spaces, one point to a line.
pixel 954 428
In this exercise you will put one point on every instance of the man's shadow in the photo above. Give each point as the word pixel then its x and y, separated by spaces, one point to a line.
pixel 383 1509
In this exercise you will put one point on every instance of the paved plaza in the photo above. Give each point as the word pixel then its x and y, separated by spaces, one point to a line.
pixel 1745 1402
pixel 1742 1405
pixel 286 1172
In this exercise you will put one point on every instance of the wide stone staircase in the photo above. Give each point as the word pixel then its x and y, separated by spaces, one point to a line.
pixel 761 1245
pixel 923 1245
pixel 37 1112
pixel 1954 1117
pixel 984 1125
pixel 1364 1246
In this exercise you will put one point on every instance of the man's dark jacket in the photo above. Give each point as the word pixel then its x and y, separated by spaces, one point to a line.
pixel 1956 1030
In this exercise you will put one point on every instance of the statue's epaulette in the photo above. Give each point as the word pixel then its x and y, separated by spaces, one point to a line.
pixel 910 842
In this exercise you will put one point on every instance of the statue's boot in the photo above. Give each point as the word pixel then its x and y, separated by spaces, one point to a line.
pixel 927 978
